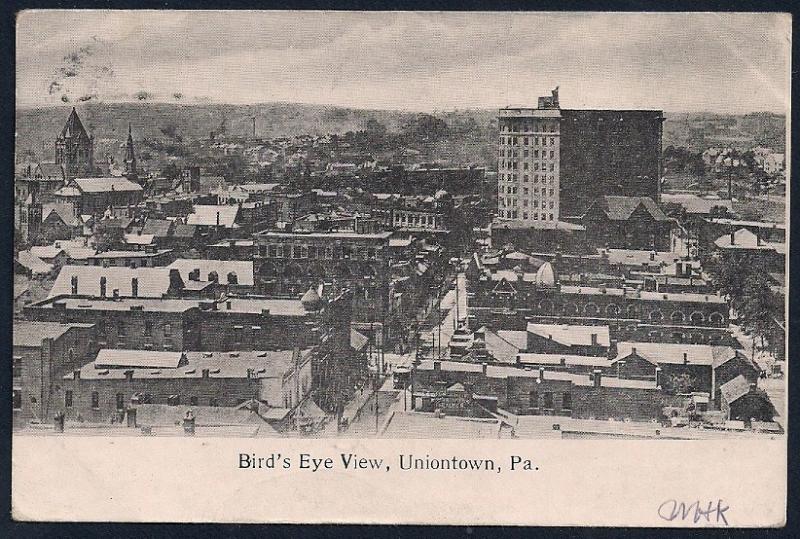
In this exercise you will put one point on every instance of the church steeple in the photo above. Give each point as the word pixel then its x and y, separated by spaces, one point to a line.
pixel 130 155
pixel 75 148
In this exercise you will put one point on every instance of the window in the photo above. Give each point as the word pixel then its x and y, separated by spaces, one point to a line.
pixel 95 400
pixel 102 287
pixel 677 317
pixel 17 398
pixel 68 398
pixel 120 401
pixel 656 316
pixel 134 287
pixel 193 400
pixel 566 401
pixel 273 251
pixel 167 329
pixel 534 399
pixel 148 327
pixel 238 331
pixel 174 400
pixel 548 401
pixel 213 401
pixel 17 370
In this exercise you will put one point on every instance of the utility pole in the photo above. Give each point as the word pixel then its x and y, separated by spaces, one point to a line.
pixel 254 126
pixel 439 319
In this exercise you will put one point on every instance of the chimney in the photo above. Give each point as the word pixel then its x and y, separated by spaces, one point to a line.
pixel 217 218
pixel 541 373
pixel 598 377
pixel 484 368
pixel 652 256
pixel 76 375
pixel 135 287
pixel 633 350
pixel 205 373
pixel 658 377
pixel 115 293
pixel 228 305
pixel 753 388
pixel 129 375
pixel 758 236
pixel 685 358
pixel 175 280
pixel 437 366
pixel 594 339
pixel 733 238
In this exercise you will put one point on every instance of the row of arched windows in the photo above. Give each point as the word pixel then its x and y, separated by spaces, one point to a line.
pixel 547 306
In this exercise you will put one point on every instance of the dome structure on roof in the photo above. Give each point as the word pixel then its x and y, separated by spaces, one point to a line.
pixel 311 300
pixel 441 193
pixel 545 276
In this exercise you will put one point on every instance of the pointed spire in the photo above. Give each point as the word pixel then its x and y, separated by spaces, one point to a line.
pixel 130 154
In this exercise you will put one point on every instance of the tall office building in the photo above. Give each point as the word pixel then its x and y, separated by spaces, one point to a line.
pixel 554 162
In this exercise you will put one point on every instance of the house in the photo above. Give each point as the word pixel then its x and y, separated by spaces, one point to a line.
pixel 627 222
pixel 95 195
pixel 29 264
pixel 683 368
pixel 741 400
pixel 59 222
pixel 117 282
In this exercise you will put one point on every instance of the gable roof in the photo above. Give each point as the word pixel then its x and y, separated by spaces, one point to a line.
pixel 735 389
pixel 33 263
pixel 152 282
pixel 45 251
pixel 206 215
pixel 50 171
pixel 159 228
pixel 62 211
pixel 184 231
pixel 673 353
pixel 621 208
pixel 498 347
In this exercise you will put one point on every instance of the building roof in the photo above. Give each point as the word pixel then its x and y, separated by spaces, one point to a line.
pixel 68 191
pixel 184 231
pixel 142 359
pixel 688 297
pixel 673 353
pixel 240 364
pixel 159 305
pixel 46 251
pixel 326 235
pixel 139 239
pixel 734 389
pixel 107 184
pixel 276 307
pixel 621 208
pixel 128 254
pixel 696 204
pixel 27 333
pixel 635 257
pixel 206 215
pixel 152 282
pixel 33 263
pixel 242 268
pixel 501 349
pixel 357 340
pixel 73 128
pixel 424 425
pixel 159 228
pixel 564 359
pixel 570 335
pixel 63 211
pixel 256 187
pixel 51 170
pixel 743 239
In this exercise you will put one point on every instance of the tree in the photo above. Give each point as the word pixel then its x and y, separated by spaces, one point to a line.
pixel 757 306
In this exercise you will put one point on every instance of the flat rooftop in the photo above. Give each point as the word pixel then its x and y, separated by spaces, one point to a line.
pixel 190 365
pixel 26 333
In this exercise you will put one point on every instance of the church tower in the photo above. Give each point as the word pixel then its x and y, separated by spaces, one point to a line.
pixel 75 149
pixel 131 171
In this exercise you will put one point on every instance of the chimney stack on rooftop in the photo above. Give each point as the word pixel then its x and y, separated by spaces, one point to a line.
pixel 594 339
pixel 685 358
pixel 598 377
pixel 541 373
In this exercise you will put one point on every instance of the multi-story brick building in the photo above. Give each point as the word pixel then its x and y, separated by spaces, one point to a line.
pixel 105 388
pixel 554 162
pixel 42 353
pixel 290 262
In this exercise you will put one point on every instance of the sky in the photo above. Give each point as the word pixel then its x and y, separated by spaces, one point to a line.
pixel 716 62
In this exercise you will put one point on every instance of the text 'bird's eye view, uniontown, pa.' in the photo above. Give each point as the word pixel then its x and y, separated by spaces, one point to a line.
pixel 400 225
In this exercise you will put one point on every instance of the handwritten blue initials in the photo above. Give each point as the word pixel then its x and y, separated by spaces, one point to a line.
pixel 713 513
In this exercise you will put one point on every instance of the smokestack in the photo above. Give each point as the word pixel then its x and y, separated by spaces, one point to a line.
pixel 733 238
pixel 685 358
pixel 484 368
pixel 598 377
pixel 217 218
pixel 594 339
pixel 541 373
pixel 658 377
